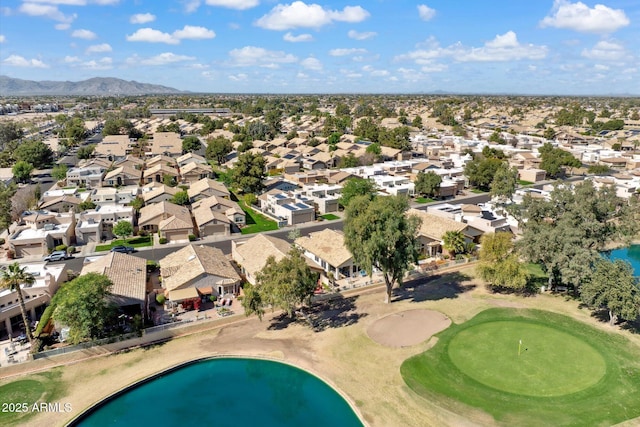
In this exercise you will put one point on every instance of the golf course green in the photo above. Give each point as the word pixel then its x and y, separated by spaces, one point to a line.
pixel 530 367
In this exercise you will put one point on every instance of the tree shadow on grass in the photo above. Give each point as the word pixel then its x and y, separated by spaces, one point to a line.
pixel 448 286
pixel 602 316
pixel 336 312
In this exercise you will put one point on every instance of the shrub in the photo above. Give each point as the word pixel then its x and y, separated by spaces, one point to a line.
pixel 143 233
pixel 160 299
pixel 162 240
pixel 61 248
pixel 192 237
pixel 71 250
pixel 44 319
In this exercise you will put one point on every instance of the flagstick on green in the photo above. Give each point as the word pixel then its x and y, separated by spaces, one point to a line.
pixel 519 347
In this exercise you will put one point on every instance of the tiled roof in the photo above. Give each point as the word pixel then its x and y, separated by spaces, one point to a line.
pixel 128 274
pixel 181 267
pixel 326 244
pixel 255 251
pixel 162 210
pixel 205 184
pixel 434 226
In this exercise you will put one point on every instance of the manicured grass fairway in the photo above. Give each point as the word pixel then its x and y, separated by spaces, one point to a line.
pixel 568 373
pixel 45 388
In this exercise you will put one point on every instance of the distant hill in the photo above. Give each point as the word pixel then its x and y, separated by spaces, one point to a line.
pixel 95 86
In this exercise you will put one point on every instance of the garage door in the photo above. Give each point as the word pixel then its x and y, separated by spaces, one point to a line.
pixel 28 250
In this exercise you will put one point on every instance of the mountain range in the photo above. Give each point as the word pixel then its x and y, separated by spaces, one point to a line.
pixel 10 86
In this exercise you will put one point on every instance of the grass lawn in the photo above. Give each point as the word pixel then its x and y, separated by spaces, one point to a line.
pixel 478 191
pixel 329 216
pixel 564 373
pixel 522 182
pixel 537 277
pixel 44 387
pixel 136 242
pixel 256 222
pixel 423 200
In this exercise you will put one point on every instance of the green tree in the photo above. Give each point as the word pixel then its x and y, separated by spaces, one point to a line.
pixel 22 171
pixel 381 236
pixel 13 278
pixel 499 265
pixel 549 133
pixel 218 149
pixel 137 203
pixel 86 151
pixel 599 169
pixel 286 284
pixel 611 286
pixel 554 159
pixel 9 132
pixel 83 305
pixel 496 137
pixel 504 182
pixel 357 187
pixel 454 242
pixel 348 161
pixel 481 171
pixel 367 129
pixel 59 172
pixel 169 180
pixel 248 172
pixel 180 198
pixel 417 122
pixel 6 195
pixel 35 152
pixel 123 229
pixel 428 183
pixel 87 205
pixel 190 144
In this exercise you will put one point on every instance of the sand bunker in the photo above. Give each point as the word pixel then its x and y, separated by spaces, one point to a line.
pixel 406 328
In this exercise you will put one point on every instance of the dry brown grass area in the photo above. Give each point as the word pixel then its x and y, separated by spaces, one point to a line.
pixel 339 351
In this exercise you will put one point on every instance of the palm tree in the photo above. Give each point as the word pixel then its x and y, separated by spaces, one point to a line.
pixel 454 242
pixel 13 278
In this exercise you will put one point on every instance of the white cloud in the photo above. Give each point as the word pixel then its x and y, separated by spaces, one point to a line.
pixel 299 14
pixel 20 61
pixel 234 4
pixel 46 10
pixel 99 48
pixel 579 17
pixel 238 77
pixel 601 67
pixel 194 33
pixel 71 59
pixel 142 18
pixel 299 38
pixel 257 56
pixel 2 38
pixel 150 35
pixel 84 34
pixel 161 59
pixel 346 52
pixel 105 63
pixel 191 6
pixel 311 64
pixel 505 47
pixel 605 51
pixel 426 13
pixel 62 27
pixel 198 66
pixel 353 34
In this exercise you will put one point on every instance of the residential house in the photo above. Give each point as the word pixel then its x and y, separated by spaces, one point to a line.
pixel 171 221
pixel 161 159
pixel 195 271
pixel 114 196
pixel 288 208
pixel 166 143
pixel 252 254
pixel 481 218
pixel 131 162
pixel 192 172
pixel 324 196
pixel 42 231
pixel 190 158
pixel 157 173
pixel 156 193
pixel 37 296
pixel 433 228
pixel 128 274
pixel 113 147
pixel 532 175
pixel 217 215
pixel 279 183
pixel 207 187
pixel 122 175
pixel 97 225
pixel 327 250
pixel 89 176
pixel 62 204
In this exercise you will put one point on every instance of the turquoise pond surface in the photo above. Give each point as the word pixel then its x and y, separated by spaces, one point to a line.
pixel 630 254
pixel 228 392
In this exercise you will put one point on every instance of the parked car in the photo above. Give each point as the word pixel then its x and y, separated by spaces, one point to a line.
pixel 57 256
pixel 123 249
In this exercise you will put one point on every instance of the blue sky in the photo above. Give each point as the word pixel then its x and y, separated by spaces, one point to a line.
pixel 379 46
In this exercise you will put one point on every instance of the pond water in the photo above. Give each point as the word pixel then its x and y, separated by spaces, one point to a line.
pixel 227 392
pixel 630 254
